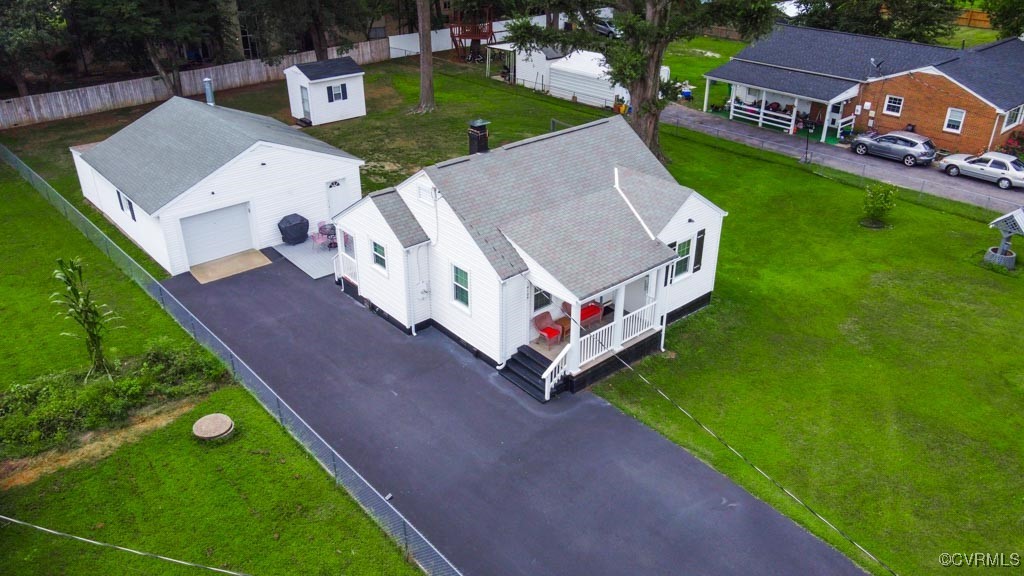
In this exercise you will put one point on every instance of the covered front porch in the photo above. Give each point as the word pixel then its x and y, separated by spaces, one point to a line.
pixel 577 334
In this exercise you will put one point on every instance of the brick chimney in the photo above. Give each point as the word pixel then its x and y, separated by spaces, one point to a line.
pixel 478 136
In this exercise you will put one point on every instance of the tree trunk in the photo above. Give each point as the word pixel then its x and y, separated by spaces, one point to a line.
pixel 153 53
pixel 438 15
pixel 426 58
pixel 550 18
pixel 643 95
pixel 19 81
pixel 319 37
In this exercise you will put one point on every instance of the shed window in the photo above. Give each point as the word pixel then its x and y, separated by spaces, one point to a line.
pixel 337 92
pixel 954 120
pixel 541 299
pixel 460 284
pixel 683 263
pixel 893 105
pixel 379 256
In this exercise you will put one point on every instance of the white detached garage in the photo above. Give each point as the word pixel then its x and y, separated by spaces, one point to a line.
pixel 190 183
pixel 326 91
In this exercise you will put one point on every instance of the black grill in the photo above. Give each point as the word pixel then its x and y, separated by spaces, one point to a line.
pixel 294 229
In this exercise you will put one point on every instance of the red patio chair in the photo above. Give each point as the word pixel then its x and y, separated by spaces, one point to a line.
pixel 548 329
pixel 590 313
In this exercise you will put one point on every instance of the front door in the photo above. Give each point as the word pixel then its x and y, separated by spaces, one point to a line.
pixel 305 102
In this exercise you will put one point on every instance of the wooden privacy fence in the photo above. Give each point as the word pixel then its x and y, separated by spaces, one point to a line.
pixel 91 99
pixel 974 19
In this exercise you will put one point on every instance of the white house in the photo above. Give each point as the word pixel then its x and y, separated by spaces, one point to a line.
pixel 542 256
pixel 326 91
pixel 189 182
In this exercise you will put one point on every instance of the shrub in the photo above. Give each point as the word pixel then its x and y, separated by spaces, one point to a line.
pixel 52 410
pixel 879 199
pixel 1014 145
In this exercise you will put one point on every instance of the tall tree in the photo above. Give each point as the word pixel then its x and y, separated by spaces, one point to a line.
pixel 29 30
pixel 916 20
pixel 285 23
pixel 426 58
pixel 1007 16
pixel 648 27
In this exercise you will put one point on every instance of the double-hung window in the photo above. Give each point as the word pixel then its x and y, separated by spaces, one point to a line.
pixel 1013 117
pixel 337 92
pixel 460 285
pixel 893 105
pixel 683 263
pixel 954 120
pixel 380 257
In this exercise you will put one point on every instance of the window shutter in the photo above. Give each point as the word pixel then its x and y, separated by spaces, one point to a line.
pixel 131 208
pixel 330 93
pixel 344 92
pixel 120 202
pixel 698 252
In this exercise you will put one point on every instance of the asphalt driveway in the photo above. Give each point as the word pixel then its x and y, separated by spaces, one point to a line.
pixel 498 482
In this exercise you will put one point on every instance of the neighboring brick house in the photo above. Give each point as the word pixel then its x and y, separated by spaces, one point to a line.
pixel 965 100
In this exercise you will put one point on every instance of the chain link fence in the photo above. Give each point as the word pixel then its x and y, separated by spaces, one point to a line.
pixel 845 168
pixel 415 546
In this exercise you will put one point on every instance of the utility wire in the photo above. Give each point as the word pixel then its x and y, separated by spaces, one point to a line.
pixel 121 548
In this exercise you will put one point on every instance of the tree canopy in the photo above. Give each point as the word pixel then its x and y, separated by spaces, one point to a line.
pixel 917 20
pixel 29 30
pixel 1007 16
pixel 647 28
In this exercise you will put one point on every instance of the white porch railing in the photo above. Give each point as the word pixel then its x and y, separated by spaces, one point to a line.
pixel 596 343
pixel 763 117
pixel 637 322
pixel 555 372
pixel 349 268
pixel 845 123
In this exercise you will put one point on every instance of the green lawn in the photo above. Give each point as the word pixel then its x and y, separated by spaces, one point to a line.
pixel 36 236
pixel 690 59
pixel 256 503
pixel 968 37
pixel 876 374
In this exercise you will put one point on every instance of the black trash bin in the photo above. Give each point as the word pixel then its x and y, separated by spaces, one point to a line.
pixel 294 229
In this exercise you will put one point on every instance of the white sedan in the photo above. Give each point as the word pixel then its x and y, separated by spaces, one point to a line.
pixel 1005 170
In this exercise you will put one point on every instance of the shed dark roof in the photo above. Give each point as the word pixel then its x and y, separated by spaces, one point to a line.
pixel 333 68
pixel 810 86
pixel 994 71
pixel 177 144
pixel 841 54
pixel 399 218
pixel 499 193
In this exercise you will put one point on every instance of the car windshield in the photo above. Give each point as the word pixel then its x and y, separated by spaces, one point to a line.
pixel 928 145
pixel 1017 165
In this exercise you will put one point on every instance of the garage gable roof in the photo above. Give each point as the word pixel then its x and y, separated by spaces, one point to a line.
pixel 333 68
pixel 179 143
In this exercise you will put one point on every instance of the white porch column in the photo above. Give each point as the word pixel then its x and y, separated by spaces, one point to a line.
pixel 707 90
pixel 573 361
pixel 792 120
pixel 487 66
pixel 760 116
pixel 828 116
pixel 732 98
pixel 620 301
pixel 659 306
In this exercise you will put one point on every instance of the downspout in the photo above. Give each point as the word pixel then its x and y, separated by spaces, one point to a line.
pixel 992 138
pixel 501 323
pixel 410 302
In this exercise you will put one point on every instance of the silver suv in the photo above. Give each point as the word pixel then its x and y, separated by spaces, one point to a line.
pixel 911 148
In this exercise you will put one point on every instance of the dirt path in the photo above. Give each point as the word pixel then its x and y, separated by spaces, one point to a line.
pixel 94 445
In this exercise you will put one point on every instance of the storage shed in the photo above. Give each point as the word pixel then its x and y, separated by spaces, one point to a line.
pixel 584 75
pixel 190 182
pixel 326 91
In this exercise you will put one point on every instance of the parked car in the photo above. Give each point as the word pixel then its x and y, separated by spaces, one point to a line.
pixel 1005 170
pixel 605 27
pixel 911 148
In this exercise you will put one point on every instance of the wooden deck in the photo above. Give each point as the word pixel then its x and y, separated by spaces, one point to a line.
pixel 315 262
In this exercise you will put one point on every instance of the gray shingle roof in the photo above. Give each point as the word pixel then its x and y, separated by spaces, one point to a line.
pixel 170 149
pixel 399 218
pixel 995 71
pixel 840 54
pixel 589 243
pixel 553 172
pixel 655 200
pixel 333 68
pixel 811 86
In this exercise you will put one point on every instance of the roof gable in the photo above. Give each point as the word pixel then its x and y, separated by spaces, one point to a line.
pixel 399 217
pixel 179 143
pixel 993 71
pixel 333 68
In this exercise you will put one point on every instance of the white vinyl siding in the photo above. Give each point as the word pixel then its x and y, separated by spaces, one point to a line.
pixel 954 120
pixel 275 181
pixel 391 291
pixel 681 291
pixel 330 99
pixel 893 105
pixel 1013 118
pixel 482 329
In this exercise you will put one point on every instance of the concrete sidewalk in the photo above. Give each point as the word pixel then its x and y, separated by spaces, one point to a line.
pixel 927 180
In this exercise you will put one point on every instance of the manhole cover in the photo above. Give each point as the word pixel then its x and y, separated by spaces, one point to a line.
pixel 213 426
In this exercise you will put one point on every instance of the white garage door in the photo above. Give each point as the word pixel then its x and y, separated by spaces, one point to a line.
pixel 217 233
